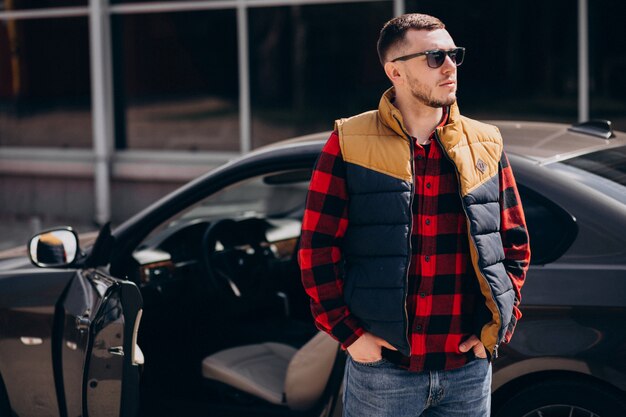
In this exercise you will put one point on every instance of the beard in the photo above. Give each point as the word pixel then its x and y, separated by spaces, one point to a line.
pixel 421 93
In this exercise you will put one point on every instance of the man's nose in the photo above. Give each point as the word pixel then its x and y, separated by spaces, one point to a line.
pixel 448 65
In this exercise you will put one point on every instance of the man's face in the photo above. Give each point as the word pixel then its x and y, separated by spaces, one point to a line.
pixel 434 87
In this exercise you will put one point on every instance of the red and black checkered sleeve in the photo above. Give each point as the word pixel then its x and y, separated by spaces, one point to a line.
pixel 323 227
pixel 514 237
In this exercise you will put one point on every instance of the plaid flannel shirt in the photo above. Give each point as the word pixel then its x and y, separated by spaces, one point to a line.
pixel 443 288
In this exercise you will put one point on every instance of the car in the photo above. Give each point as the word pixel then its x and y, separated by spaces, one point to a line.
pixel 195 307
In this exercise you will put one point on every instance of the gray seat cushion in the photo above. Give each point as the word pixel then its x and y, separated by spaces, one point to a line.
pixel 259 369
pixel 276 372
pixel 309 371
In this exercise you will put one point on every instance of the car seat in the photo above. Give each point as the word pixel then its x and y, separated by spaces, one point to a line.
pixel 276 372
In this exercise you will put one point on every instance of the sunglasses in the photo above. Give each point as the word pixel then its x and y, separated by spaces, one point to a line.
pixel 437 57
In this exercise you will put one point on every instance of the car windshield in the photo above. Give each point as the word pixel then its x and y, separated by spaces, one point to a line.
pixel 604 170
pixel 276 195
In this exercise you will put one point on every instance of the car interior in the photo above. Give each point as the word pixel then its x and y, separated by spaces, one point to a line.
pixel 226 327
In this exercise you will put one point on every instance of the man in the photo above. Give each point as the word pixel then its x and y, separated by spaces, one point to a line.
pixel 414 245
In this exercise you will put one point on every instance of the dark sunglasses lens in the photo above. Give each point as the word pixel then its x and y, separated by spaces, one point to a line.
pixel 436 59
pixel 457 56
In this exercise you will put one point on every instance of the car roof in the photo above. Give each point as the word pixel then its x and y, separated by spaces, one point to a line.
pixel 540 142
pixel 546 142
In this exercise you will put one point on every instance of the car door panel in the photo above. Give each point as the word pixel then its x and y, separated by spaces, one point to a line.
pixel 77 311
pixel 112 377
pixel 27 311
pixel 66 333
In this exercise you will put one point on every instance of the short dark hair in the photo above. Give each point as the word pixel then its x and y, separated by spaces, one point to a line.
pixel 394 31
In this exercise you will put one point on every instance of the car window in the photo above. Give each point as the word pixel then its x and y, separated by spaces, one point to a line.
pixel 551 229
pixel 607 163
pixel 274 196
pixel 604 171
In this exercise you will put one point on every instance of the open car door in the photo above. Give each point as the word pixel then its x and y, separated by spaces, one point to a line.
pixel 67 343
pixel 97 351
pixel 68 335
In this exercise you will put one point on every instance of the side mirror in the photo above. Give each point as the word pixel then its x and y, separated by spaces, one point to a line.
pixel 54 247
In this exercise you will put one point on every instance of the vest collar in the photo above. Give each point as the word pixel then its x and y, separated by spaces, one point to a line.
pixel 392 118
pixel 390 114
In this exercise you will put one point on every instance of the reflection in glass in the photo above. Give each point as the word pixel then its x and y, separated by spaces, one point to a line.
pixel 607 34
pixel 513 69
pixel 7 5
pixel 44 83
pixel 310 65
pixel 177 80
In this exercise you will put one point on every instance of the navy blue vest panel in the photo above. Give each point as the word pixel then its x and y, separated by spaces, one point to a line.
pixel 483 212
pixel 377 240
pixel 365 180
pixel 487 247
pixel 395 208
pixel 361 267
pixel 503 293
pixel 376 252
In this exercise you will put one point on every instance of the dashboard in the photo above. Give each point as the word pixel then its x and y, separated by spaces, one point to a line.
pixel 179 250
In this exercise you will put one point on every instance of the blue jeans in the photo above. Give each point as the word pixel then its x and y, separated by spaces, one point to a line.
pixel 382 389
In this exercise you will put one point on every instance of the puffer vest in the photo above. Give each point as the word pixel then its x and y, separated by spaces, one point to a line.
pixel 377 245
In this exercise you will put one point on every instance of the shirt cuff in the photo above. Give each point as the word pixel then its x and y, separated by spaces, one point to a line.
pixel 347 331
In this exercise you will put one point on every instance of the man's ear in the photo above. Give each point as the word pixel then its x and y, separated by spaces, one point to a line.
pixel 394 73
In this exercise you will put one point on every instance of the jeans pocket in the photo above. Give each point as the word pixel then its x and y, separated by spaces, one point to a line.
pixel 370 364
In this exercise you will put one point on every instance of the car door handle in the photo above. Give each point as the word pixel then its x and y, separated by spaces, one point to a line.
pixel 83 323
pixel 116 350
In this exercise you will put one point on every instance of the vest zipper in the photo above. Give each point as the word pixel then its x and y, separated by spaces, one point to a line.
pixel 409 246
pixel 494 353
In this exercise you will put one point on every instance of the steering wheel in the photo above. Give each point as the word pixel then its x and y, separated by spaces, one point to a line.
pixel 239 265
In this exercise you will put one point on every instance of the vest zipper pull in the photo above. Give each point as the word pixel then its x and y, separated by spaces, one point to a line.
pixel 495 352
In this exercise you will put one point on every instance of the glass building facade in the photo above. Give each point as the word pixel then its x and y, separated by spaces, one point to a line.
pixel 223 77
pixel 176 70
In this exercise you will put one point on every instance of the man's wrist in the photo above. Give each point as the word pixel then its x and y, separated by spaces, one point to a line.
pixel 352 338
pixel 347 331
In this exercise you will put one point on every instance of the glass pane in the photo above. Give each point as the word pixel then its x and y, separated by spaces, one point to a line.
pixel 521 61
pixel 607 38
pixel 7 5
pixel 45 90
pixel 609 163
pixel 178 80
pixel 551 230
pixel 279 195
pixel 311 65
